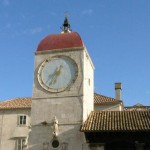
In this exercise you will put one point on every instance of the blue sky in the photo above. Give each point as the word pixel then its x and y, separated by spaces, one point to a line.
pixel 115 32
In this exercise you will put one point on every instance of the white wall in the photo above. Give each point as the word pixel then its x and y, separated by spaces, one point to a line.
pixel 88 86
pixel 110 107
pixel 9 129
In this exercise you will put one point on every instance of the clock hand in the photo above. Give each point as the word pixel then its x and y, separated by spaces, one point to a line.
pixel 52 76
pixel 56 75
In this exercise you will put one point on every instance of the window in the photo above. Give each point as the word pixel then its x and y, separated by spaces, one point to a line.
pixel 20 143
pixel 22 120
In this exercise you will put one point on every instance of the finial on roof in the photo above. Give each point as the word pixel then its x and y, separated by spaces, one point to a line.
pixel 66 25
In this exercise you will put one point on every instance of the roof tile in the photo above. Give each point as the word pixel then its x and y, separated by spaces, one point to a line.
pixel 117 121
pixel 16 103
pixel 26 102
pixel 99 99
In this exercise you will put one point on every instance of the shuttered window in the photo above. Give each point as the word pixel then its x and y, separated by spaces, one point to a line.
pixel 22 120
pixel 20 143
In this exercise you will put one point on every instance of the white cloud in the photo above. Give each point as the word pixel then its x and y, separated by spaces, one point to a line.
pixel 36 30
pixel 87 12
pixel 32 31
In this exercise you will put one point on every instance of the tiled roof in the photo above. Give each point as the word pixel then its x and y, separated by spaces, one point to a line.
pixel 138 105
pixel 105 121
pixel 26 102
pixel 99 99
pixel 16 103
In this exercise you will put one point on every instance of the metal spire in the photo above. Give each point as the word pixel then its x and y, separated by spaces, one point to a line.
pixel 66 25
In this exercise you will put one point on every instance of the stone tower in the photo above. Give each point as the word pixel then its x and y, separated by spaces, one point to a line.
pixel 62 92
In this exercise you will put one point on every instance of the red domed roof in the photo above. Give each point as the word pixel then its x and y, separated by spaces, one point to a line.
pixel 60 41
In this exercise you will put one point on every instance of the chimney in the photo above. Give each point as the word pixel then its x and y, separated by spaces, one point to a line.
pixel 118 89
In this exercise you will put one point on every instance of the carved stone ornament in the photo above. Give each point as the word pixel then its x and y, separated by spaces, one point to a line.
pixel 55 127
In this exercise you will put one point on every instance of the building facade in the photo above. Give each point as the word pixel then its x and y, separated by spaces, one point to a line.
pixel 64 113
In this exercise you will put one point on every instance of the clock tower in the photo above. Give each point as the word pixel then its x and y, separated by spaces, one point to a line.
pixel 62 92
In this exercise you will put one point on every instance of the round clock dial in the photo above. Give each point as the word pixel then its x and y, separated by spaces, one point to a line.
pixel 57 73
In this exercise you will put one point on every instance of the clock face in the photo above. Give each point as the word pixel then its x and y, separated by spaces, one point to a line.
pixel 57 73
